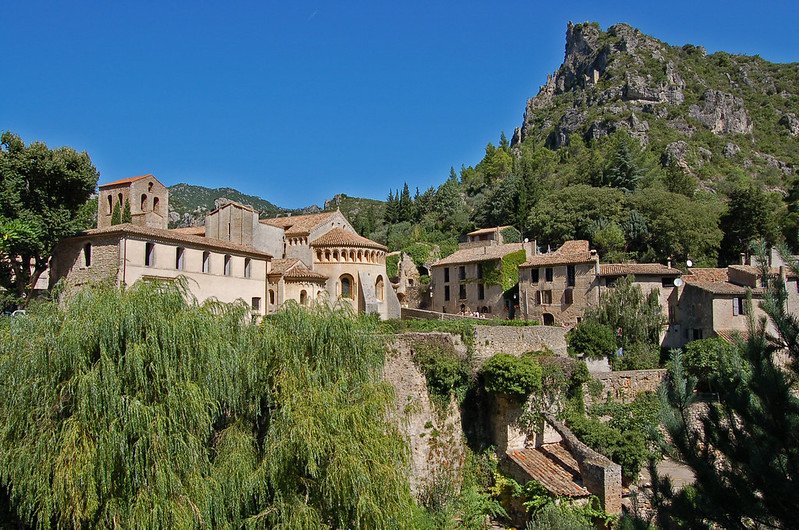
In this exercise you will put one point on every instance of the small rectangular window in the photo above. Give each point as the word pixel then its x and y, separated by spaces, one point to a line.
pixel 546 297
pixel 256 304
pixel 149 254
pixel 462 291
pixel 480 291
pixel 87 255
pixel 446 274
pixel 548 274
pixel 479 271
pixel 446 293
pixel 738 306
pixel 227 265
pixel 247 268
pixel 571 276
pixel 179 258
pixel 568 296
pixel 667 282
pixel 534 276
pixel 206 262
pixel 461 273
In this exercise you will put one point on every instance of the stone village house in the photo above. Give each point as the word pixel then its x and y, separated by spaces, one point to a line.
pixel 235 256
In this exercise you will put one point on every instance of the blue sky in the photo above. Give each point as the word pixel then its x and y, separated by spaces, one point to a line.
pixel 297 101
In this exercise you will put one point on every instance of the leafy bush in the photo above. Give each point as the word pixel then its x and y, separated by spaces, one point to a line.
pixel 592 339
pixel 392 265
pixel 701 358
pixel 444 372
pixel 516 377
pixel 627 448
pixel 637 356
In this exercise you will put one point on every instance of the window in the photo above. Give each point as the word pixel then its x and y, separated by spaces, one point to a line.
pixel 87 255
pixel 110 204
pixel 271 297
pixel 149 254
pixel 206 262
pixel 571 276
pixel 548 274
pixel 739 306
pixel 479 271
pixel 227 265
pixel 256 303
pixel 303 297
pixel 538 298
pixel 143 201
pixel 534 276
pixel 247 268
pixel 697 334
pixel 346 287
pixel 480 291
pixel 568 296
pixel 462 291
pixel 461 273
pixel 379 288
pixel 446 293
pixel 546 297
pixel 667 282
pixel 179 258
pixel 155 204
pixel 446 274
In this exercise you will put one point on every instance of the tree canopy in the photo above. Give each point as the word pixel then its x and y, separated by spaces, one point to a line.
pixel 140 409
pixel 43 191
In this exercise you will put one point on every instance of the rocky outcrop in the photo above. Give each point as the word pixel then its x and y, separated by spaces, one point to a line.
pixel 791 122
pixel 722 113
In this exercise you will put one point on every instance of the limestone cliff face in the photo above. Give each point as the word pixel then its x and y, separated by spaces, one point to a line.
pixel 624 79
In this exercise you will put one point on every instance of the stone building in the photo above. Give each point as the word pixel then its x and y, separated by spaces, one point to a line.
pixel 470 280
pixel 317 256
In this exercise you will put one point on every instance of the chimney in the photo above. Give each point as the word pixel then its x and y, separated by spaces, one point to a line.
pixel 743 258
pixel 668 262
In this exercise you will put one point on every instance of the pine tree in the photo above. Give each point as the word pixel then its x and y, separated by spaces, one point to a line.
pixel 391 212
pixel 746 454
pixel 116 216
pixel 405 205
pixel 126 217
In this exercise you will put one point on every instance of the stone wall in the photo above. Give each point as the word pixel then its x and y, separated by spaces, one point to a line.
pixel 436 440
pixel 69 261
pixel 624 385
pixel 490 340
pixel 600 476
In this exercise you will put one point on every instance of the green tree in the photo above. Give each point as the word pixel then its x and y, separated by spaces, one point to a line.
pixel 140 409
pixel 592 339
pixel 126 216
pixel 623 171
pixel 516 377
pixel 391 212
pixel 116 215
pixel 405 205
pixel 750 215
pixel 46 188
pixel 746 454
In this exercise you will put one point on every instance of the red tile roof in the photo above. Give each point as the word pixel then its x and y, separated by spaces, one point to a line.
pixel 191 230
pixel 708 274
pixel 554 467
pixel 299 224
pixel 293 269
pixel 724 288
pixel 569 253
pixel 488 230
pixel 173 236
pixel 338 237
pixel 640 269
pixel 732 335
pixel 126 181
pixel 480 253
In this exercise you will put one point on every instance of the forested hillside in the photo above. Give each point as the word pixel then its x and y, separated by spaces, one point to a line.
pixel 650 151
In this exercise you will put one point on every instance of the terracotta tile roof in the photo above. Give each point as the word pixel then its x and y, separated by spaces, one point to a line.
pixel 641 269
pixel 570 252
pixel 299 224
pixel 732 335
pixel 724 288
pixel 234 203
pixel 553 467
pixel 338 237
pixel 173 236
pixel 293 269
pixel 191 230
pixel 488 230
pixel 126 181
pixel 481 253
pixel 749 269
pixel 708 274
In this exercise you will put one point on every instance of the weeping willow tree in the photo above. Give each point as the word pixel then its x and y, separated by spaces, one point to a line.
pixel 138 409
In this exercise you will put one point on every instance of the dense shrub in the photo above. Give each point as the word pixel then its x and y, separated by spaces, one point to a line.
pixel 444 372
pixel 592 339
pixel 702 358
pixel 516 377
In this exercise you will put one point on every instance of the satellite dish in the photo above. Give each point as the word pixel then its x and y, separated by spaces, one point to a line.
pixel 526 240
pixel 678 282
pixel 689 263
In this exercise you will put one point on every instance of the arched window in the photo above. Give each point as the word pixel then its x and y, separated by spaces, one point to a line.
pixel 347 288
pixel 149 254
pixel 155 204
pixel 120 201
pixel 179 258
pixel 226 270
pixel 303 297
pixel 271 297
pixel 206 262
pixel 335 255
pixel 143 202
pixel 549 320
pixel 247 268
pixel 150 187
pixel 111 204
pixel 379 288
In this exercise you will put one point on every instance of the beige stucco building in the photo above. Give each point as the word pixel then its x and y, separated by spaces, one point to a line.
pixel 316 257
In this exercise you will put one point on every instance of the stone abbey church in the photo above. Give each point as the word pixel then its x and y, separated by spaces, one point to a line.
pixel 235 256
